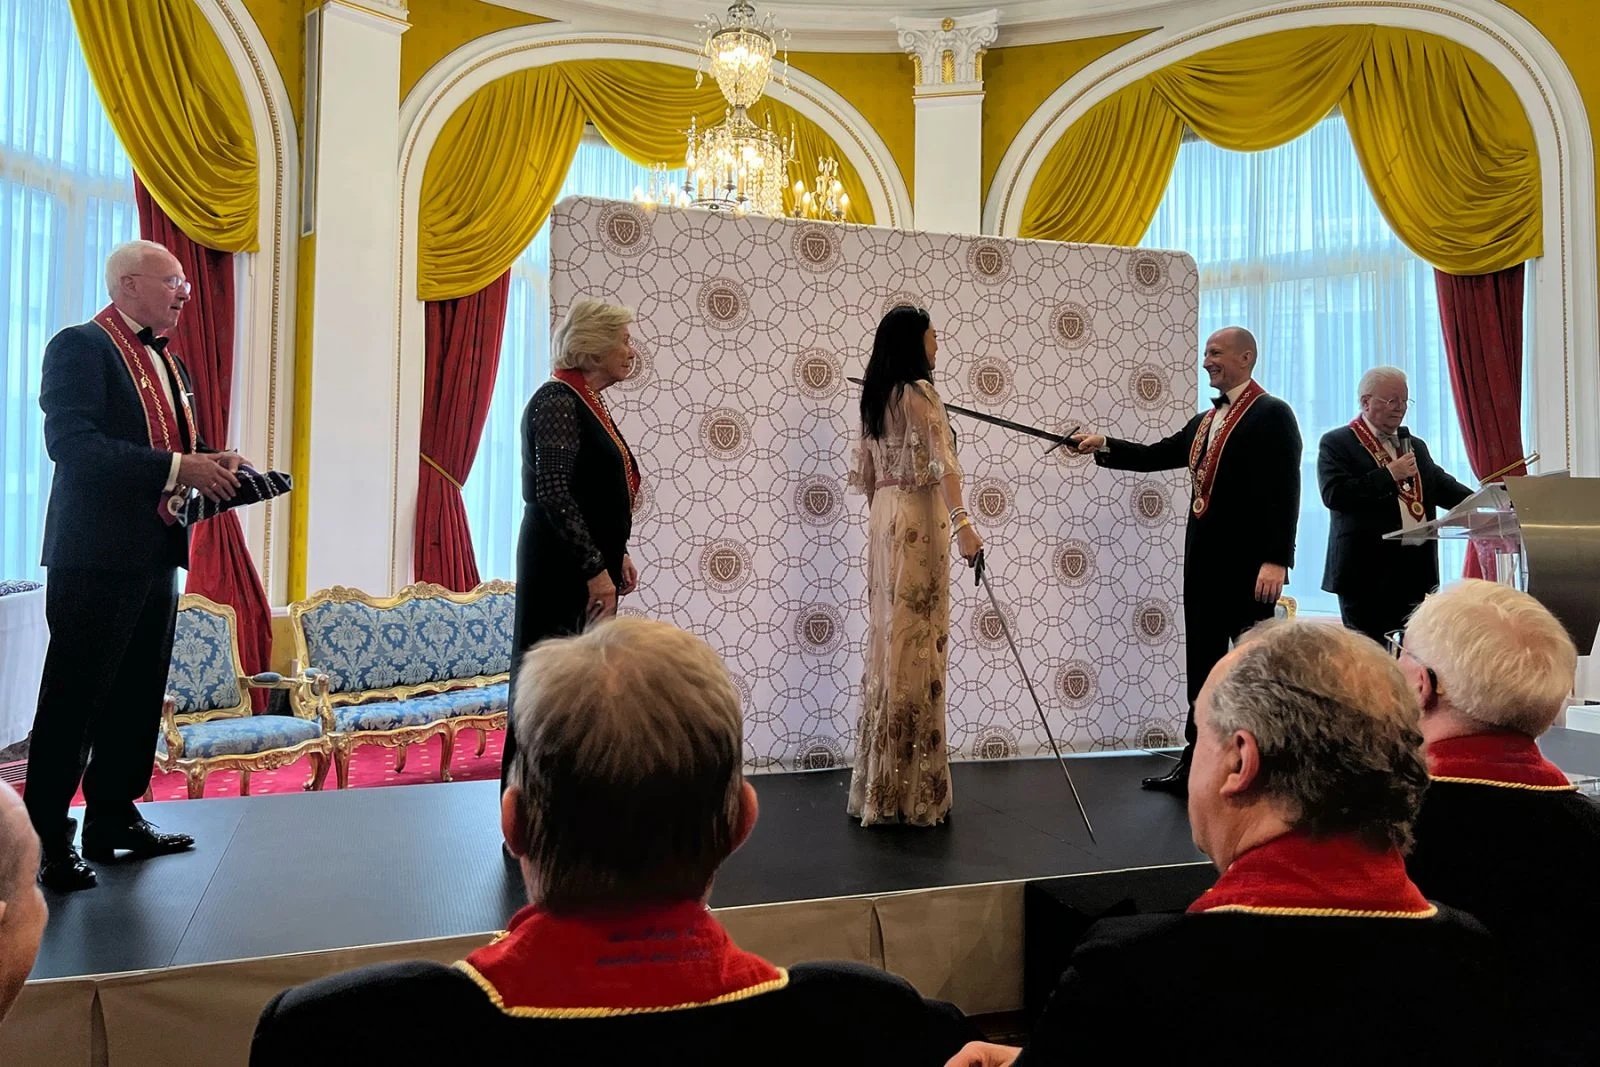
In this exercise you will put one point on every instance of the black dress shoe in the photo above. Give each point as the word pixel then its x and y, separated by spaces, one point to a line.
pixel 1175 781
pixel 65 872
pixel 138 838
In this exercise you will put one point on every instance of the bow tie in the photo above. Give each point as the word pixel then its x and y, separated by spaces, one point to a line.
pixel 1220 401
pixel 148 337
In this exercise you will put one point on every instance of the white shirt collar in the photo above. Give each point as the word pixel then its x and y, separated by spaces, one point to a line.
pixel 134 326
pixel 1233 394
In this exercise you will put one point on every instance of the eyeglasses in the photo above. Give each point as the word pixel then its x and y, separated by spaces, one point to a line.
pixel 171 281
pixel 1395 642
pixel 1394 402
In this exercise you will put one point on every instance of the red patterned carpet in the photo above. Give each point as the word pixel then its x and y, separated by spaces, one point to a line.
pixel 370 766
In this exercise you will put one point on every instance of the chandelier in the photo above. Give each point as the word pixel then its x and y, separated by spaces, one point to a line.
pixel 736 165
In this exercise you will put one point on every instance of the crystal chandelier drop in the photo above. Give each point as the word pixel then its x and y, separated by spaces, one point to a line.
pixel 826 199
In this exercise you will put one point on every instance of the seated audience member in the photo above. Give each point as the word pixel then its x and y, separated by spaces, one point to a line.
pixel 1503 834
pixel 22 907
pixel 625 798
pixel 1313 946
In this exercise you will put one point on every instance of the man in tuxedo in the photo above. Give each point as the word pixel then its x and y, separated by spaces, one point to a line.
pixel 119 425
pixel 1243 457
pixel 1376 478
pixel 1313 946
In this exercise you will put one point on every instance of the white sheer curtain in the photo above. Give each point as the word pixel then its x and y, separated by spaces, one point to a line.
pixel 1291 245
pixel 66 199
pixel 493 492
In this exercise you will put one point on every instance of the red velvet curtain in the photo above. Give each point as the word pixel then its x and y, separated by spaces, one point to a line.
pixel 220 566
pixel 1482 319
pixel 463 356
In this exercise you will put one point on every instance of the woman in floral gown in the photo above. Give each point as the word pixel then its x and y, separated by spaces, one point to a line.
pixel 906 465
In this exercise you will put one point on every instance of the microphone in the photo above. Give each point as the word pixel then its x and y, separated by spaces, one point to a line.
pixel 1404 438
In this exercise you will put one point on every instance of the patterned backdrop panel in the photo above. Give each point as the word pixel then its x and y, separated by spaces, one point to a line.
pixel 743 421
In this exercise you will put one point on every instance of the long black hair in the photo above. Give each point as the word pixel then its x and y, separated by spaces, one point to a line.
pixel 898 357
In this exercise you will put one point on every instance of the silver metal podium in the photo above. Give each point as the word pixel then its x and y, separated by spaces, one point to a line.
pixel 1540 534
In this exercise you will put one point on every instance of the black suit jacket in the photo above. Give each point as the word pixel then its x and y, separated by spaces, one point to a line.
pixel 1526 863
pixel 1254 511
pixel 1245 989
pixel 108 480
pixel 1364 501
pixel 835 1013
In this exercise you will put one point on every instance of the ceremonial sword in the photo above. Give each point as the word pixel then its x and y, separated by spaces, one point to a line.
pixel 995 420
pixel 983 580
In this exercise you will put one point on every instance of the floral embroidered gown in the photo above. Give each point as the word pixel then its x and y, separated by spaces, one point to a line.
pixel 902 769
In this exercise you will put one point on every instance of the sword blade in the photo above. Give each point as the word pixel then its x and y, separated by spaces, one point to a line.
pixel 995 420
pixel 1038 707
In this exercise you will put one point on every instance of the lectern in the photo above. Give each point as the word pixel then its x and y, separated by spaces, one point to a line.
pixel 1539 533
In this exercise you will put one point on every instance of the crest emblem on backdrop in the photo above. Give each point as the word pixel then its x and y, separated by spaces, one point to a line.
pixel 1150 503
pixel 816 248
pixel 1075 682
pixel 989 261
pixel 818 501
pixel 725 433
pixel 1147 387
pixel 1071 326
pixel 990 381
pixel 991 498
pixel 818 754
pixel 995 743
pixel 819 629
pixel 1074 564
pixel 723 304
pixel 817 374
pixel 1156 735
pixel 1152 622
pixel 624 229
pixel 902 299
pixel 1148 273
pixel 989 627
pixel 725 565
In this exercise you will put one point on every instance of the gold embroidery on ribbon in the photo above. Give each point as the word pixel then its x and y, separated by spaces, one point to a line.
pixel 1381 457
pixel 1204 458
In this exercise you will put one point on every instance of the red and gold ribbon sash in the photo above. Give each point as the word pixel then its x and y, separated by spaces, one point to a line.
pixel 1203 458
pixel 574 379
pixel 1511 761
pixel 1335 876
pixel 1412 495
pixel 161 421
pixel 593 966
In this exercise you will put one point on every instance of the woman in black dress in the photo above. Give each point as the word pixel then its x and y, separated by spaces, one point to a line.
pixel 579 483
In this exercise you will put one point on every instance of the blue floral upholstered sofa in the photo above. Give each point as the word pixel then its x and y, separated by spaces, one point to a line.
pixel 397 670
pixel 206 720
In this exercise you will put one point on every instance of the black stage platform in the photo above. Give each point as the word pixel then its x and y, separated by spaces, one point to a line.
pixel 310 872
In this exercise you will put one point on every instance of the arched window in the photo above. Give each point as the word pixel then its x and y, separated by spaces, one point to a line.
pixel 493 492
pixel 1291 245
pixel 66 199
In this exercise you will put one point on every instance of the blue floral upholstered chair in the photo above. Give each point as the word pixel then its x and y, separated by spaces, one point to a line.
pixel 395 671
pixel 206 720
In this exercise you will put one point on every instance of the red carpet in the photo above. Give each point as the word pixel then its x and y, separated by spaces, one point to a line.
pixel 369 766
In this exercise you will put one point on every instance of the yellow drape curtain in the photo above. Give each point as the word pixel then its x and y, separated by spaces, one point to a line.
pixel 500 161
pixel 177 107
pixel 1442 138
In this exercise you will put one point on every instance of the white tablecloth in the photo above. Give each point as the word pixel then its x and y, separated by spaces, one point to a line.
pixel 23 637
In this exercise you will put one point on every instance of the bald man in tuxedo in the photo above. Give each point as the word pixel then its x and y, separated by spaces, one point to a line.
pixel 1243 458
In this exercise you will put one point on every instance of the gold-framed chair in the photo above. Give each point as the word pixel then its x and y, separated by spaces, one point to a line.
pixel 396 671
pixel 1285 608
pixel 207 719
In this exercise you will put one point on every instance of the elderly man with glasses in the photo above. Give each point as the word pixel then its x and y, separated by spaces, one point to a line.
pixel 1503 834
pixel 1376 478
pixel 120 427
